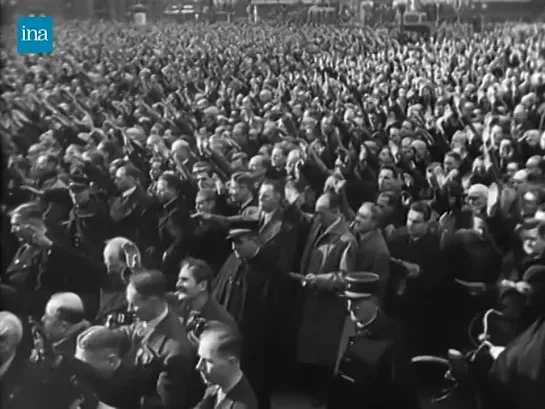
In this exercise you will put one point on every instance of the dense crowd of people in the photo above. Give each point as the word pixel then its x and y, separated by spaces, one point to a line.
pixel 199 215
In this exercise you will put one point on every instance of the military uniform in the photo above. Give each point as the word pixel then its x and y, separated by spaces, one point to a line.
pixel 373 372
pixel 88 228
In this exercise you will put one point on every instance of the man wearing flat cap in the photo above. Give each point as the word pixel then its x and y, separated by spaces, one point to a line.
pixel 372 370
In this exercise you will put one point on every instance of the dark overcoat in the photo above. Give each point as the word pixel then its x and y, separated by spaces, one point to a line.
pixel 374 370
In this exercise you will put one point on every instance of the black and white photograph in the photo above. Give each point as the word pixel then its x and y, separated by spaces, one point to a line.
pixel 272 204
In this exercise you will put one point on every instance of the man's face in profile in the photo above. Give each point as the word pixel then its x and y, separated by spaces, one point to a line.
pixel 213 367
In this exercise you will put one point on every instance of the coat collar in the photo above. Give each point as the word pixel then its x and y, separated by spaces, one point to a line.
pixel 369 236
pixel 337 228
pixel 172 204
pixel 271 227
pixel 162 331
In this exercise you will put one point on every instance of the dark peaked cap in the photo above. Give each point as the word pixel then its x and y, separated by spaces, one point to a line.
pixel 360 285
pixel 242 228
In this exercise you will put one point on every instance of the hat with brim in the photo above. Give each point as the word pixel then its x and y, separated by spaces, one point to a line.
pixel 242 228
pixel 360 285
pixel 237 233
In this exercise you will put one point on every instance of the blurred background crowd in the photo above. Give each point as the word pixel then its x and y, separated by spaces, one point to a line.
pixel 225 201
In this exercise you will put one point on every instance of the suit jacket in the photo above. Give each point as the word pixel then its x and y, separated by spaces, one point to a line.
pixel 373 256
pixel 240 397
pixel 422 292
pixel 178 385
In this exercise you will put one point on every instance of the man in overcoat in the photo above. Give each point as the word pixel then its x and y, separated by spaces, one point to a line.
pixel 242 287
pixel 330 251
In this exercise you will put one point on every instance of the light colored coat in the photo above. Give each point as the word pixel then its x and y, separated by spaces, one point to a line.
pixel 373 256
pixel 323 311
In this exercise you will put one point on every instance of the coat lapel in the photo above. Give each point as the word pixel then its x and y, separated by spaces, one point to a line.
pixel 336 229
pixel 155 339
pixel 271 227
pixel 311 239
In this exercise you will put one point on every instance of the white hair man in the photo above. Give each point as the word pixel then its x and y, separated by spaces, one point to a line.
pixel 122 258
pixel 11 335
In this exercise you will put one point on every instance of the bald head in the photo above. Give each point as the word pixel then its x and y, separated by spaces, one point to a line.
pixel 180 149
pixel 66 307
pixel 258 162
pixel 63 312
pixel 11 334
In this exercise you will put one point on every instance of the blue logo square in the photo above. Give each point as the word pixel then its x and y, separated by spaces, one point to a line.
pixel 34 35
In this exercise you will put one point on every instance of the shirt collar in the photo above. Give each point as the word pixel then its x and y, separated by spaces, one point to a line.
pixel 154 322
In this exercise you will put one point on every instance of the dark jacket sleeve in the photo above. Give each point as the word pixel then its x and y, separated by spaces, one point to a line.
pixel 102 180
pixel 179 228
pixel 80 274
pixel 402 380
pixel 58 195
pixel 126 386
